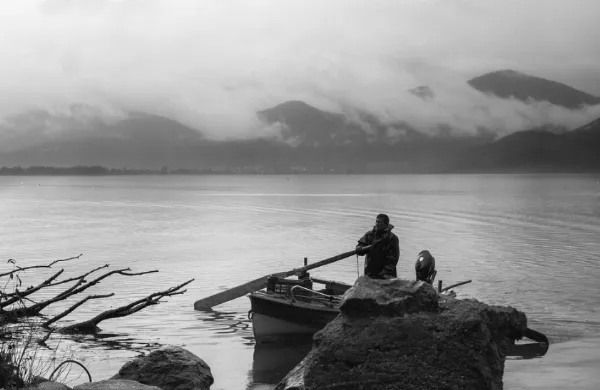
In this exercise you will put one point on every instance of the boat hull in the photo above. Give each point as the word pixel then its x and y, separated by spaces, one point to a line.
pixel 267 328
pixel 275 317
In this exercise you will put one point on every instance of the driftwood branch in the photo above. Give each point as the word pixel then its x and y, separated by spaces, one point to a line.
pixel 72 308
pixel 80 281
pixel 43 340
pixel 91 326
pixel 36 308
pixel 19 269
pixel 106 275
pixel 138 273
pixel 19 295
pixel 19 302
pixel 80 278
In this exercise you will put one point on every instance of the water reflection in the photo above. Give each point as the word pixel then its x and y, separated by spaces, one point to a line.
pixel 114 342
pixel 272 361
pixel 227 324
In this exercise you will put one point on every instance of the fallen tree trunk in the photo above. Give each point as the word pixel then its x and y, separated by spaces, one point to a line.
pixel 91 325
pixel 17 304
pixel 36 308
pixel 72 308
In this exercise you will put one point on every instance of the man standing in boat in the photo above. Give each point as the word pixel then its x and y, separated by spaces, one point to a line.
pixel 384 253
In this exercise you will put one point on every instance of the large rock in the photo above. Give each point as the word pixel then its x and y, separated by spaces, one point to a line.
pixel 398 334
pixel 170 368
pixel 115 384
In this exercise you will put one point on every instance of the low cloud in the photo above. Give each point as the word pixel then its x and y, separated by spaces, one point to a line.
pixel 212 64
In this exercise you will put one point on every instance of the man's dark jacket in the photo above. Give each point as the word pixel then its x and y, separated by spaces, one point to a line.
pixel 383 256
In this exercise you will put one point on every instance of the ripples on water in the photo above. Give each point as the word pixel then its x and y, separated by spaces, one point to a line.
pixel 530 241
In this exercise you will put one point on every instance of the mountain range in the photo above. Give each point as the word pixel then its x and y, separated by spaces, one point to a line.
pixel 312 140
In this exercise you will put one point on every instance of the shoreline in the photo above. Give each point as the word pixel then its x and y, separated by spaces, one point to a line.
pixel 572 364
pixel 99 170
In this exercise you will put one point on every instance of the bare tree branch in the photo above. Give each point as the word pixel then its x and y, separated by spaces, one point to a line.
pixel 42 341
pixel 91 326
pixel 79 282
pixel 18 295
pixel 30 290
pixel 81 278
pixel 72 308
pixel 38 307
pixel 158 295
pixel 18 269
pixel 138 273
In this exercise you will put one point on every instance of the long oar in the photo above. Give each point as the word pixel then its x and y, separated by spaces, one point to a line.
pixel 260 283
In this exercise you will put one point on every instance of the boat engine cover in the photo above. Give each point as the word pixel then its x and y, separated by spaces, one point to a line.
pixel 425 266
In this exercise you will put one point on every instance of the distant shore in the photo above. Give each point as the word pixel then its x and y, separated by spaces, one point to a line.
pixel 97 170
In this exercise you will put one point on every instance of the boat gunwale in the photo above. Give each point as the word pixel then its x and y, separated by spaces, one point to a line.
pixel 278 298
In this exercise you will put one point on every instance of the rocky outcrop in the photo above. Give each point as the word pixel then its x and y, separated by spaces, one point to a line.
pixel 393 297
pixel 169 368
pixel 115 384
pixel 398 334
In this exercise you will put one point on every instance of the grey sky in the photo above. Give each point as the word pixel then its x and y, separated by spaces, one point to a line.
pixel 213 63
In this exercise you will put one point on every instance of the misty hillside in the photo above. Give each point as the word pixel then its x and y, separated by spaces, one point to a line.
pixel 509 83
pixel 522 151
pixel 314 140
pixel 39 138
pixel 307 125
pixel 303 124
pixel 537 150
pixel 41 127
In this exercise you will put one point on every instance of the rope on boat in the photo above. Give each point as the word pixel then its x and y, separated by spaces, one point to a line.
pixel 250 315
pixel 357 269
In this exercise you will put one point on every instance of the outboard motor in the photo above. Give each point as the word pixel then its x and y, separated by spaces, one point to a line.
pixel 425 267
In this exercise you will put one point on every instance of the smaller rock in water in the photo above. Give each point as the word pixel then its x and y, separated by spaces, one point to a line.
pixel 391 297
pixel 115 384
pixel 170 368
pixel 46 385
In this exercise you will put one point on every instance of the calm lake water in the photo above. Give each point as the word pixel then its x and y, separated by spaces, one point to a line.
pixel 529 241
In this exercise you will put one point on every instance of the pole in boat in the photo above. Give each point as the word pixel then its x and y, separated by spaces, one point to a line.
pixel 260 283
pixel 453 285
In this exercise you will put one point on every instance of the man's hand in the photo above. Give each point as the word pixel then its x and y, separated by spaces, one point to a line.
pixel 360 251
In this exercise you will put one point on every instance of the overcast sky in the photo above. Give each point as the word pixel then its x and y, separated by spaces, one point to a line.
pixel 213 63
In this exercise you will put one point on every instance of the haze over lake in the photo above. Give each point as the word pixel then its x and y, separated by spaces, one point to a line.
pixel 529 241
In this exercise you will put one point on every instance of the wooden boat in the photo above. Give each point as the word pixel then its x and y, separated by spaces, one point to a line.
pixel 292 308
